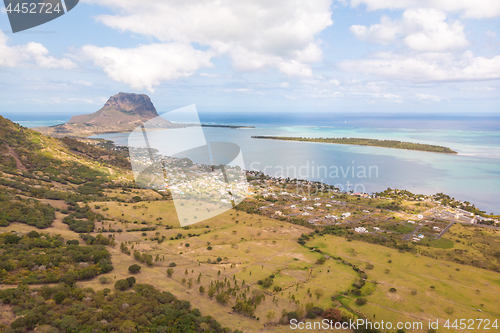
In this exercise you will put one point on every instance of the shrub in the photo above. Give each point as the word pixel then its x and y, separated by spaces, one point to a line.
pixel 103 280
pixel 33 234
pixel 332 314
pixel 392 290
pixel 172 264
pixel 267 282
pixel 73 242
pixel 311 315
pixel 134 269
pixel 122 285
pixel 361 301
pixel 293 315
pixel 317 311
pixel 130 280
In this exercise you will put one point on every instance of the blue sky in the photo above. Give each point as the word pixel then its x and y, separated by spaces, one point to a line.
pixel 367 56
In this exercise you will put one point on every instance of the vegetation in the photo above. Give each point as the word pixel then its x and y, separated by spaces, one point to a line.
pixel 41 258
pixel 29 211
pixel 367 142
pixel 134 269
pixel 70 309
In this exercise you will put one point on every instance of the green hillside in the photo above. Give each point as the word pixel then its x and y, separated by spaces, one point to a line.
pixel 35 168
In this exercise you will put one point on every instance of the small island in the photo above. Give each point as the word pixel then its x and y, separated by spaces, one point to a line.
pixel 226 126
pixel 367 142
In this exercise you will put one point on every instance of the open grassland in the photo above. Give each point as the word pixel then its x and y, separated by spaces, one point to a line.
pixel 424 288
pixel 235 246
pixel 152 212
pixel 245 249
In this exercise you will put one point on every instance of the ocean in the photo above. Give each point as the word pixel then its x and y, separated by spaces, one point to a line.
pixel 473 175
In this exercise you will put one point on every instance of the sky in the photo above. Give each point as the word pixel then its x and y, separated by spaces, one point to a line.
pixel 332 56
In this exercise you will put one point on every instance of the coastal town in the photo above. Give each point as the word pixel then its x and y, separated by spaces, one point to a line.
pixel 317 204
pixel 308 202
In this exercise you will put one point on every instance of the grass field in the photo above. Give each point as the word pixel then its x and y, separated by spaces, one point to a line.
pixel 425 288
pixel 240 247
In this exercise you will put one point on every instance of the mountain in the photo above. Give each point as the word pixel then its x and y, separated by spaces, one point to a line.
pixel 123 112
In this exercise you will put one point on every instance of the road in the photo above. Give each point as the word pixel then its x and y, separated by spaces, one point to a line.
pixel 411 234
pixel 445 229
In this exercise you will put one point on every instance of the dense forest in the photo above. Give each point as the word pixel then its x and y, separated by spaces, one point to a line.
pixel 64 308
pixel 40 258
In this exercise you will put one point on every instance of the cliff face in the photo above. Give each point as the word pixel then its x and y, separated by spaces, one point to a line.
pixel 123 112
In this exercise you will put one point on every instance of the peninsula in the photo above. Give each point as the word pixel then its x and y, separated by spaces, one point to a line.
pixel 226 126
pixel 367 142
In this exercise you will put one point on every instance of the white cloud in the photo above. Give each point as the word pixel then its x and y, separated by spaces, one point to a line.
pixel 420 29
pixel 428 97
pixel 425 67
pixel 383 33
pixel 83 83
pixel 479 89
pixel 147 66
pixel 211 75
pixel 469 8
pixel 31 54
pixel 254 34
pixel 389 97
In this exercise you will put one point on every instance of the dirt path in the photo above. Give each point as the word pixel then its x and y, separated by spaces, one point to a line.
pixel 12 153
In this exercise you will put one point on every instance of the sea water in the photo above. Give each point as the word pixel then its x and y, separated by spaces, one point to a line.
pixel 473 175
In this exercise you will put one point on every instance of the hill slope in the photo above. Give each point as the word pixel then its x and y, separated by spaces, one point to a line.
pixel 35 168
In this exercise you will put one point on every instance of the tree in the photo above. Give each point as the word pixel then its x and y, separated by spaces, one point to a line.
pixel 201 289
pixel 319 293
pixel 361 301
pixel 170 271
pixel 60 296
pixel 222 298
pixel 128 326
pixel 134 269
